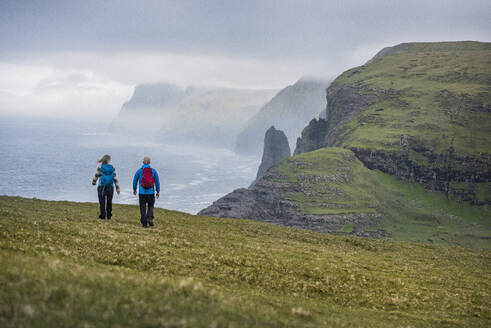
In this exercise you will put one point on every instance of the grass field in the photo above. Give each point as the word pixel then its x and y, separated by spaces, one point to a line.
pixel 60 266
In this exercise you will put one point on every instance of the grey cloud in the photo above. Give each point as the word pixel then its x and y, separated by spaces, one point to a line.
pixel 252 28
pixel 77 58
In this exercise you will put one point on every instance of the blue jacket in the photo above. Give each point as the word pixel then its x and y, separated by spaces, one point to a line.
pixel 98 175
pixel 138 177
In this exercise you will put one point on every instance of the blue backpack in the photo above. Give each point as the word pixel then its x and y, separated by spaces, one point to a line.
pixel 107 178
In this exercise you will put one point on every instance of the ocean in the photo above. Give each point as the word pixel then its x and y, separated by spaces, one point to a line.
pixel 56 160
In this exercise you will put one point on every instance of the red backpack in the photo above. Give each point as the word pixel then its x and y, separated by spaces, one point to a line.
pixel 147 178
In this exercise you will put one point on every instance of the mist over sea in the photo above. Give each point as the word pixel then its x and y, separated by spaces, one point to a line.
pixel 56 161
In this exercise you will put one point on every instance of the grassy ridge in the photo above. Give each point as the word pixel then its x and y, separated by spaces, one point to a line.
pixel 435 92
pixel 334 181
pixel 61 266
pixel 423 113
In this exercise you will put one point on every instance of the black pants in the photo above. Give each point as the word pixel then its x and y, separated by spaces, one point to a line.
pixel 146 213
pixel 105 201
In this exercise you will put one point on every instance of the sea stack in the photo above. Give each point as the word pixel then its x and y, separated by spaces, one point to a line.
pixel 276 148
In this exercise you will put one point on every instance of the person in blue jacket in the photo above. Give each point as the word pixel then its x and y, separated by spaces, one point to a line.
pixel 148 180
pixel 106 174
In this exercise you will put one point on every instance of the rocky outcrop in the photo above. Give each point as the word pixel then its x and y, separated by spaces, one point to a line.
pixel 276 148
pixel 459 177
pixel 273 197
pixel 289 110
pixel 313 136
pixel 343 104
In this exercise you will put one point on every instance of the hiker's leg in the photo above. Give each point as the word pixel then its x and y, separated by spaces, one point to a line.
pixel 143 214
pixel 102 208
pixel 109 200
pixel 147 208
pixel 151 203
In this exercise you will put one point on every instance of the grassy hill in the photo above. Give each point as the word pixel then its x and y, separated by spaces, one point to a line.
pixel 60 266
pixel 333 182
pixel 419 111
pixel 437 92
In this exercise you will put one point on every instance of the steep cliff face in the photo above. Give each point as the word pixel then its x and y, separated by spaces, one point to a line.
pixel 212 116
pixel 153 101
pixel 313 136
pixel 276 148
pixel 290 110
pixel 420 111
pixel 305 191
pixel 330 190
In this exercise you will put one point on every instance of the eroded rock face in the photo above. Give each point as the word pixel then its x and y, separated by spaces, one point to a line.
pixel 273 199
pixel 276 148
pixel 313 137
pixel 343 104
pixel 462 178
pixel 267 201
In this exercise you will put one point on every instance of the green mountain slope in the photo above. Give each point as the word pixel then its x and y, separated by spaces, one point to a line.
pixel 330 190
pixel 419 111
pixel 59 266
pixel 368 202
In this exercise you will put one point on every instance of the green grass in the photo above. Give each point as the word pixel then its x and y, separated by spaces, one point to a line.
pixel 334 182
pixel 347 228
pixel 60 266
pixel 430 92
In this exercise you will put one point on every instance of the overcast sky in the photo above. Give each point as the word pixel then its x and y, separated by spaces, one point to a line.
pixel 79 58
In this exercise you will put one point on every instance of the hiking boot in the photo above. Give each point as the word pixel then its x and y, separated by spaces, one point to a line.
pixel 102 218
pixel 144 225
pixel 150 223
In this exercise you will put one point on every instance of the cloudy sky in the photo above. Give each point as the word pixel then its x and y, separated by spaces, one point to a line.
pixel 79 58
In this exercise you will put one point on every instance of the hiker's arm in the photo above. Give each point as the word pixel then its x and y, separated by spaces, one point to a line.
pixel 135 181
pixel 157 181
pixel 98 173
pixel 116 183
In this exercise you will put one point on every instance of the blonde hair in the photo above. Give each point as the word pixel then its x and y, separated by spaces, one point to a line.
pixel 105 159
pixel 146 160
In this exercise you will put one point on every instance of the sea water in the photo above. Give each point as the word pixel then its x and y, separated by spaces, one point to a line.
pixel 56 160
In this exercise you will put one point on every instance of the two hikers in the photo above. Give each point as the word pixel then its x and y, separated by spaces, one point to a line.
pixel 146 178
pixel 149 183
pixel 105 190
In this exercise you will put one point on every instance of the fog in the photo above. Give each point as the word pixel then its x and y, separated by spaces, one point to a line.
pixel 82 59
pixel 197 116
